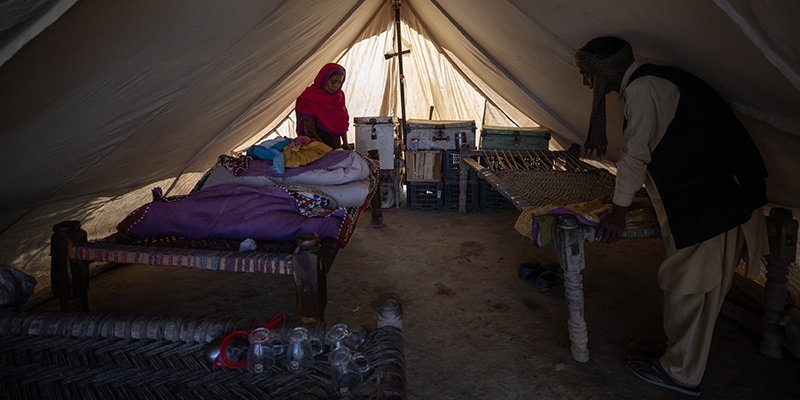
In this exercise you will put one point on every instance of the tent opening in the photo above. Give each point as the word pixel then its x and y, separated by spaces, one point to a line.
pixel 437 87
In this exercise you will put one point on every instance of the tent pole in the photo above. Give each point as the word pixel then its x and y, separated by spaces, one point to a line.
pixel 396 5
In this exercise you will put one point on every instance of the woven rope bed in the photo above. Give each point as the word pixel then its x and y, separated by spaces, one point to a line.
pixel 305 251
pixel 105 356
pixel 308 259
pixel 537 179
pixel 542 181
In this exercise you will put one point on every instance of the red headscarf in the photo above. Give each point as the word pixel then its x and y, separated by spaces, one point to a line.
pixel 328 110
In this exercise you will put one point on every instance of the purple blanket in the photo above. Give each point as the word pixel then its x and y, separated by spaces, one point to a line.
pixel 230 212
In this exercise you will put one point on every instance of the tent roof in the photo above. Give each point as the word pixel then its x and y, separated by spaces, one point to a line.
pixel 113 97
pixel 110 97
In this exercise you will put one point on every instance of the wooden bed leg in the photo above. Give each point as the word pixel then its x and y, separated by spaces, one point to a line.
pixel 69 278
pixel 782 233
pixel 310 278
pixel 376 202
pixel 571 255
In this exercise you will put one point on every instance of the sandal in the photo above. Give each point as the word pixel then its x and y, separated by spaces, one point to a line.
pixel 647 349
pixel 529 271
pixel 647 370
pixel 548 280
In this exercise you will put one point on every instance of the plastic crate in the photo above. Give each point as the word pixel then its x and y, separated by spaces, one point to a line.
pixel 491 199
pixel 451 168
pixel 425 195
pixel 452 192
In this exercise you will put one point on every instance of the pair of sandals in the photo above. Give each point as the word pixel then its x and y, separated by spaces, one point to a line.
pixel 544 277
pixel 646 366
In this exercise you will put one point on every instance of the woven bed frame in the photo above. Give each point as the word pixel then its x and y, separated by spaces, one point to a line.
pixel 105 356
pixel 308 259
pixel 539 178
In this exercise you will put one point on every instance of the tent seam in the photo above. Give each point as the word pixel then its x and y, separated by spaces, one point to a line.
pixel 263 95
pixel 508 74
pixel 458 68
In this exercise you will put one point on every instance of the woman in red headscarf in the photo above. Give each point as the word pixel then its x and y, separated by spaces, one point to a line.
pixel 321 111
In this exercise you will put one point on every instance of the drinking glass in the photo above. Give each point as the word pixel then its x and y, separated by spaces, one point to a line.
pixel 347 368
pixel 262 350
pixel 340 335
pixel 301 349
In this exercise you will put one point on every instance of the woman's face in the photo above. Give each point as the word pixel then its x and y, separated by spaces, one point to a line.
pixel 334 83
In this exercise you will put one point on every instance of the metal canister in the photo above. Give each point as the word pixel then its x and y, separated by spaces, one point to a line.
pixel 460 136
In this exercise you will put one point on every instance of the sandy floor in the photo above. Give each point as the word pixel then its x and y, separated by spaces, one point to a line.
pixel 473 329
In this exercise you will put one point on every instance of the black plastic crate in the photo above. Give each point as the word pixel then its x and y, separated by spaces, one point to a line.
pixel 451 164
pixel 491 199
pixel 425 195
pixel 452 191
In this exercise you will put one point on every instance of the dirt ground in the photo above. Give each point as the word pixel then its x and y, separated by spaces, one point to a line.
pixel 473 329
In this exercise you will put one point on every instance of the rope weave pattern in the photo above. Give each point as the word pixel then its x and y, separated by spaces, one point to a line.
pixel 65 356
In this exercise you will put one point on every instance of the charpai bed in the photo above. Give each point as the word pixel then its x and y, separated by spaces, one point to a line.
pixel 245 215
pixel 124 356
pixel 561 199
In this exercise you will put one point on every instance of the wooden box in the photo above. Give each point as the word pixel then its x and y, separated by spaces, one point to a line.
pixel 438 135
pixel 508 138
pixel 423 166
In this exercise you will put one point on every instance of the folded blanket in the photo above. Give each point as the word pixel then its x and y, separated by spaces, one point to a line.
pixel 231 212
pixel 342 175
pixel 299 156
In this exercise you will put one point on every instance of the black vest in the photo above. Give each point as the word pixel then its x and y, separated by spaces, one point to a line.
pixel 707 169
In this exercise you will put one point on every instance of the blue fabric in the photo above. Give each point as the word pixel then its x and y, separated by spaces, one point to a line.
pixel 269 149
pixel 278 163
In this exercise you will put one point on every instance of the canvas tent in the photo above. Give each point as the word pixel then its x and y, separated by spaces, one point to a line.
pixel 100 101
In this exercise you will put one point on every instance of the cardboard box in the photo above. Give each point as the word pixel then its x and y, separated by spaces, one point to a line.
pixel 423 166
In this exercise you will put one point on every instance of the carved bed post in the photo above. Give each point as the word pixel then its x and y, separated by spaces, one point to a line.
pixel 310 278
pixel 375 204
pixel 570 239
pixel 782 233
pixel 69 278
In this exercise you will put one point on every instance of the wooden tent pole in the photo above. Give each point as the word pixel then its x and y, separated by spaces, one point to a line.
pixel 396 4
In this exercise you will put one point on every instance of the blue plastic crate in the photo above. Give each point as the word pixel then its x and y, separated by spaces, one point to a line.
pixel 491 199
pixel 452 192
pixel 451 164
pixel 425 195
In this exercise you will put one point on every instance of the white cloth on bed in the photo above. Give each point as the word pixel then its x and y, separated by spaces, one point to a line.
pixel 346 183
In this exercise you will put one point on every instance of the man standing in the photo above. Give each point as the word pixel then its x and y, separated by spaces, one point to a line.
pixel 706 179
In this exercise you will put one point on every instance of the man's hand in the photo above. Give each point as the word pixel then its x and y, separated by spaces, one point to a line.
pixel 612 225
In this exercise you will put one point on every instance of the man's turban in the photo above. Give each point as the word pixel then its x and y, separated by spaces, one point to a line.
pixel 602 68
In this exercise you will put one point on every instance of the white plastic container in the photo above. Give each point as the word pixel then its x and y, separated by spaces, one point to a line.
pixel 377 133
